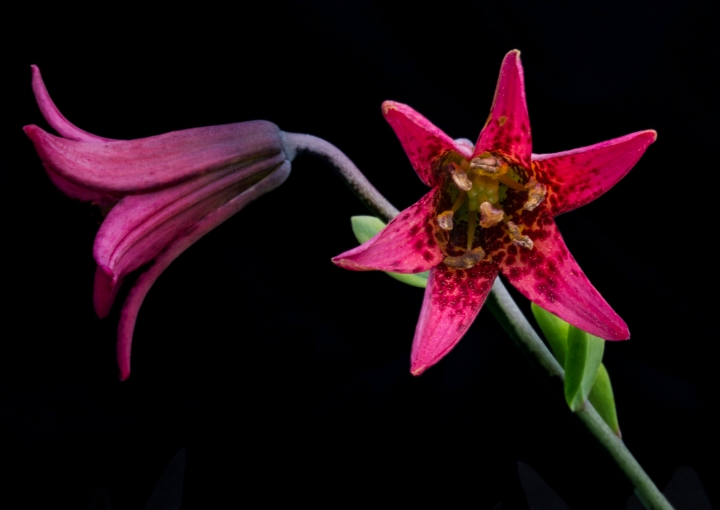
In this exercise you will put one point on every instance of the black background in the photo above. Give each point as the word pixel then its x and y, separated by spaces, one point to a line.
pixel 287 378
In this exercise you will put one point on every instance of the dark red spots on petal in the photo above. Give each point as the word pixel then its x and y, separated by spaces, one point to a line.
pixel 414 230
pixel 510 260
pixel 427 256
pixel 418 269
pixel 419 244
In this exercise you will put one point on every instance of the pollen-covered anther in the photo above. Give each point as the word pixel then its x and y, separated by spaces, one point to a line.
pixel 517 238
pixel 486 164
pixel 460 178
pixel 467 259
pixel 489 216
pixel 536 194
pixel 445 220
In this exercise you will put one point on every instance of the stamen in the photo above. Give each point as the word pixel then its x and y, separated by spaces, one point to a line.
pixel 445 220
pixel 536 195
pixel 507 181
pixel 472 224
pixel 459 201
pixel 460 178
pixel 487 164
pixel 489 216
pixel 517 239
pixel 467 259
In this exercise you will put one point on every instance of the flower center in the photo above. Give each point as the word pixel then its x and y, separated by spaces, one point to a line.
pixel 478 188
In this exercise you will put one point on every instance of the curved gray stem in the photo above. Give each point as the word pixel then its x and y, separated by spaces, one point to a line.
pixel 297 143
pixel 505 310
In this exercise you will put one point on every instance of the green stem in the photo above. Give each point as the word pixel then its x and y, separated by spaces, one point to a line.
pixel 513 321
pixel 505 310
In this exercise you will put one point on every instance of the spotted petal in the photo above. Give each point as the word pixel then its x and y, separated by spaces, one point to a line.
pixel 508 127
pixel 581 175
pixel 406 245
pixel 453 298
pixel 421 139
pixel 548 275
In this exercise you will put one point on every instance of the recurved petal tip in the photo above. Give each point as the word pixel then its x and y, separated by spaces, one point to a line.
pixel 417 370
pixel 52 113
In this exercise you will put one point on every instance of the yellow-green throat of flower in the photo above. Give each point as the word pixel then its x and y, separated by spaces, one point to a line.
pixel 479 186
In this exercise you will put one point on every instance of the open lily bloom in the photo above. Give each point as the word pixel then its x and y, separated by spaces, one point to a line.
pixel 491 210
pixel 163 193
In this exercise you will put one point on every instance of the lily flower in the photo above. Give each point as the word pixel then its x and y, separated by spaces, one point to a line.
pixel 491 210
pixel 161 194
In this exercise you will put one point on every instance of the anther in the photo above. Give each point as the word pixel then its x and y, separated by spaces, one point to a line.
pixel 486 164
pixel 445 220
pixel 517 239
pixel 467 259
pixel 489 216
pixel 459 177
pixel 536 194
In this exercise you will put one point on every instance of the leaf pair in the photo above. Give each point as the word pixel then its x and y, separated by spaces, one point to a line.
pixel 580 354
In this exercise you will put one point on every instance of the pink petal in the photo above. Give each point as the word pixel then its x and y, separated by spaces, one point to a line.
pixel 131 307
pixel 508 126
pixel 146 164
pixel 406 245
pixel 548 275
pixel 139 227
pixel 422 141
pixel 54 117
pixel 103 199
pixel 453 298
pixel 579 176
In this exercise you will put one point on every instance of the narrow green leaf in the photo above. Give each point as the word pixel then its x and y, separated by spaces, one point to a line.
pixel 602 398
pixel 367 227
pixel 583 357
pixel 555 330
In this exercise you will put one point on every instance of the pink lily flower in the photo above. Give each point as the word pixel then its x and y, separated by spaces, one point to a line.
pixel 491 210
pixel 163 193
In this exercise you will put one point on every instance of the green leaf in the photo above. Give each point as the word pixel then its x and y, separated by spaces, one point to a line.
pixel 367 227
pixel 555 330
pixel 601 395
pixel 583 357
pixel 602 398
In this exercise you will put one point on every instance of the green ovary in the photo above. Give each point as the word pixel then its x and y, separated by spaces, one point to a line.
pixel 484 189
